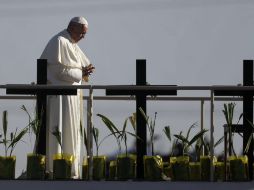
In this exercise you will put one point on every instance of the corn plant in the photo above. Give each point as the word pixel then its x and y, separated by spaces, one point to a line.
pixel 15 137
pixel 229 116
pixel 58 136
pixel 98 143
pixel 206 144
pixel 120 135
pixel 124 134
pixel 228 112
pixel 185 139
pixel 112 128
pixel 167 132
pixel 34 126
pixel 150 125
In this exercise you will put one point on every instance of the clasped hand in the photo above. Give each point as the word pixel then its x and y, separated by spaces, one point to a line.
pixel 86 71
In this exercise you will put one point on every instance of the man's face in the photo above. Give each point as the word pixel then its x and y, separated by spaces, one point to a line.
pixel 79 31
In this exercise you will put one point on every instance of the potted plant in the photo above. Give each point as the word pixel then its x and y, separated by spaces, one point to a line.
pixel 62 162
pixel 167 166
pixel 219 171
pixel 113 132
pixel 99 162
pixel 112 170
pixel 125 163
pixel 205 161
pixel 180 164
pixel 36 163
pixel 237 164
pixel 153 164
pixel 8 162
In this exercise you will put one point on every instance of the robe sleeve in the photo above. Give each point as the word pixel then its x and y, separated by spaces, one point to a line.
pixel 68 74
pixel 69 68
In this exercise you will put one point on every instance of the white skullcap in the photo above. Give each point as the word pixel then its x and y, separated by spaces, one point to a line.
pixel 80 20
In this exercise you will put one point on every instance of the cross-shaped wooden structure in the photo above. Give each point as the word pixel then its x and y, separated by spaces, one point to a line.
pixel 246 128
pixel 41 96
pixel 140 102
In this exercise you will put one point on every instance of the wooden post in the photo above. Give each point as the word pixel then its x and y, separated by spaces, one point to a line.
pixel 141 123
pixel 248 112
pixel 42 105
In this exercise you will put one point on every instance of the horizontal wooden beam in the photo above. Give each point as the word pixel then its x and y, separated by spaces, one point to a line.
pixel 233 93
pixel 41 91
pixel 137 92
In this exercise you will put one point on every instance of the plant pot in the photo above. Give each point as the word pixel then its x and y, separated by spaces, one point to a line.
pixel 112 170
pixel 85 169
pixel 238 167
pixel 36 166
pixel 205 162
pixel 99 167
pixel 194 171
pixel 153 168
pixel 167 170
pixel 85 172
pixel 219 171
pixel 180 168
pixel 126 167
pixel 7 167
pixel 62 165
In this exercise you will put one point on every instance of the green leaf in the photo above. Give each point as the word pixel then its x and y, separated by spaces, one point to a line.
pixel 206 144
pixel 182 138
pixel 23 107
pixel 248 143
pixel 96 134
pixel 17 138
pixel 125 125
pixel 219 141
pixel 81 129
pixel 34 125
pixel 133 121
pixel 153 125
pixel 167 132
pixel 134 135
pixel 85 137
pixel 144 115
pixel 240 117
pixel 5 123
pixel 11 135
pixel 110 125
pixel 58 135
pixel 189 130
pixel 197 136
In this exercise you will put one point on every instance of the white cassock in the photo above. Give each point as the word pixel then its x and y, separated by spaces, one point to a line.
pixel 65 60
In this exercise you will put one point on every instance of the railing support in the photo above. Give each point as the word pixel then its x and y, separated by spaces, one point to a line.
pixel 212 136
pixel 202 121
pixel 90 134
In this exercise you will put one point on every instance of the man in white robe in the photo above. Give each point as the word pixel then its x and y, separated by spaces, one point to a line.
pixel 67 65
